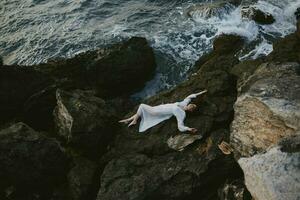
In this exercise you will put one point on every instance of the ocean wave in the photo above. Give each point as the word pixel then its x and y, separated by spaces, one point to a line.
pixel 35 31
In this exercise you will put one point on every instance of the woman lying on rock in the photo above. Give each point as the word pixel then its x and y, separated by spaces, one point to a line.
pixel 152 115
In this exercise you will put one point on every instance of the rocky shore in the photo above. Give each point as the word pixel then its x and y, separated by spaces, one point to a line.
pixel 60 137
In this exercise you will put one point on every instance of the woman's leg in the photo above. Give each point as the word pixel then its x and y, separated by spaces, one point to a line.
pixel 134 117
pixel 137 115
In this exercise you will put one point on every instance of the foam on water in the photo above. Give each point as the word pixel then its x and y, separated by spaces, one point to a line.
pixel 35 31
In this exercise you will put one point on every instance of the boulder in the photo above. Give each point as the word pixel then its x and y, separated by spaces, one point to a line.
pixel 268 108
pixel 297 14
pixel 208 10
pixel 28 93
pixel 17 85
pixel 179 142
pixel 119 70
pixel 172 175
pixel 142 166
pixel 274 175
pixel 286 49
pixel 81 179
pixel 85 122
pixel 31 163
pixel 257 15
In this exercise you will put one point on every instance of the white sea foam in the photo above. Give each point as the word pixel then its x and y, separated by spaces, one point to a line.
pixel 35 31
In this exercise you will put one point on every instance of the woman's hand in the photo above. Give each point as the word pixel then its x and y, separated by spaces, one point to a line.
pixel 193 130
pixel 202 92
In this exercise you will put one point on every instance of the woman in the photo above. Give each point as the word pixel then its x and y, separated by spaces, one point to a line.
pixel 152 115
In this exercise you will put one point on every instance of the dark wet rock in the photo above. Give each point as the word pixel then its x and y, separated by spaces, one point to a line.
pixel 223 46
pixel 31 164
pixel 243 71
pixel 234 190
pixel 38 109
pixel 290 144
pixel 28 93
pixel 286 49
pixel 86 122
pixel 17 85
pixel 1 61
pixel 142 166
pixel 168 176
pixel 257 15
pixel 81 179
pixel 297 13
pixel 120 70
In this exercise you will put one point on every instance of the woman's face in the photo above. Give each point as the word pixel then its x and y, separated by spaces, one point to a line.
pixel 191 107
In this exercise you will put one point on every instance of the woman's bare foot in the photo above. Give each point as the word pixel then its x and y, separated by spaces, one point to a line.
pixel 132 123
pixel 125 121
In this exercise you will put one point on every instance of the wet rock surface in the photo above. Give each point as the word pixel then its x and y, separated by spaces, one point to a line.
pixel 31 163
pixel 28 93
pixel 81 179
pixel 17 84
pixel 257 15
pixel 86 122
pixel 120 70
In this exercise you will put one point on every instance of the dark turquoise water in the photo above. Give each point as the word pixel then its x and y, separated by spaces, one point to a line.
pixel 33 31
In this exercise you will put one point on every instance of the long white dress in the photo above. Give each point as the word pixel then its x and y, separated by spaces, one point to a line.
pixel 152 115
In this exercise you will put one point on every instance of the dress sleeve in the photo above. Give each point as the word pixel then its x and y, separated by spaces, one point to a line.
pixel 187 100
pixel 180 116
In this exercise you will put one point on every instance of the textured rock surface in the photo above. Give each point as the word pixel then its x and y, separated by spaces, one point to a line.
pixel 28 93
pixel 17 84
pixel 268 108
pixel 81 179
pixel 31 163
pixel 142 166
pixel 274 175
pixel 257 15
pixel 124 67
pixel 286 49
pixel 85 121
pixel 179 142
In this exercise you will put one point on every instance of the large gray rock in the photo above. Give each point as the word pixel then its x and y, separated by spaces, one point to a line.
pixel 268 108
pixel 86 122
pixel 30 163
pixel 179 142
pixel 274 175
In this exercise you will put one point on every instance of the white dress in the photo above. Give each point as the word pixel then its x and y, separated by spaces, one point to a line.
pixel 152 115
